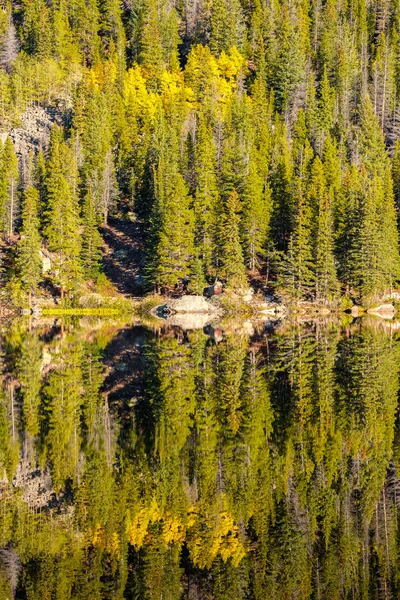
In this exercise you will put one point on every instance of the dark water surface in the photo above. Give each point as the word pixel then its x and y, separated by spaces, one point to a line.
pixel 199 465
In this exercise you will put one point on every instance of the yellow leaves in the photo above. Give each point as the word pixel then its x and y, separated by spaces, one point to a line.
pixel 231 65
pixel 173 531
pixel 113 545
pixel 138 101
pixel 213 535
pixel 173 88
pixel 137 529
pixel 209 533
pixel 97 535
pixel 102 74
pixel 105 541
pixel 212 79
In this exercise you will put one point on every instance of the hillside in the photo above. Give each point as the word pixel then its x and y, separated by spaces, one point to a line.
pixel 154 147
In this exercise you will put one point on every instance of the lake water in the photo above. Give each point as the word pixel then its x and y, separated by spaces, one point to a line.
pixel 249 462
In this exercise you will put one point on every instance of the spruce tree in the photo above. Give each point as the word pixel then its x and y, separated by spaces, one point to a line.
pixel 231 265
pixel 91 239
pixel 257 208
pixel 298 270
pixel 173 252
pixel 206 197
pixel 10 178
pixel 29 264
pixel 326 283
pixel 62 223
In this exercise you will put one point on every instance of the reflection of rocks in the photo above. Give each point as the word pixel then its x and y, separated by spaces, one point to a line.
pixel 385 311
pixel 36 486
pixel 187 321
pixel 215 333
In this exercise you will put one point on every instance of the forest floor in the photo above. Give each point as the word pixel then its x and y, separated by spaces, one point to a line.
pixel 123 256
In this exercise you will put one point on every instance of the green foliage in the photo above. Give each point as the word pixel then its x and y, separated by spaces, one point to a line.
pixel 168 109
pixel 28 260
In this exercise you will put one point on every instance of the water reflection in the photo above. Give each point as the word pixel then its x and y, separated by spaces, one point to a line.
pixel 189 464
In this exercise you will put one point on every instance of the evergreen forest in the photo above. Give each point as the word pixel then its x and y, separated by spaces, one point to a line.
pixel 251 141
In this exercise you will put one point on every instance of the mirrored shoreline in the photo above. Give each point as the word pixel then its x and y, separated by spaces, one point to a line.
pixel 246 461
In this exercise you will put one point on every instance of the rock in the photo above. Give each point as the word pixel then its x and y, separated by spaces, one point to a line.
pixel 247 328
pixel 46 261
pixel 213 290
pixel 121 253
pixel 26 311
pixel 190 304
pixel 384 310
pixel 395 295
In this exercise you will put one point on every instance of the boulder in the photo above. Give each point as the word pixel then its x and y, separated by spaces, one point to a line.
pixel 247 295
pixel 213 290
pixel 384 310
pixel 271 308
pixel 121 253
pixel 46 261
pixel 190 304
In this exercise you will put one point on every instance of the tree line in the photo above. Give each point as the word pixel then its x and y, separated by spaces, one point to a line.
pixel 256 142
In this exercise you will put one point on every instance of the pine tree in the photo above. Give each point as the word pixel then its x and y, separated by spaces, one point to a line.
pixel 173 253
pixel 299 266
pixel 151 54
pixel 206 197
pixel 39 177
pixel 231 267
pixel 91 239
pixel 62 228
pixel 325 270
pixel 10 178
pixel 28 261
pixel 257 208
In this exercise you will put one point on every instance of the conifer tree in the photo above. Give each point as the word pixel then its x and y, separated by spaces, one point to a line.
pixel 325 270
pixel 299 267
pixel 62 228
pixel 39 177
pixel 151 54
pixel 29 263
pixel 91 239
pixel 173 252
pixel 231 264
pixel 10 46
pixel 256 215
pixel 10 178
pixel 206 197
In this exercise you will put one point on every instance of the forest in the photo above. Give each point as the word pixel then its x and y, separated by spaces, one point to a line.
pixel 239 470
pixel 253 142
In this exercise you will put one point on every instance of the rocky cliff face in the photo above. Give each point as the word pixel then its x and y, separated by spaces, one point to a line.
pixel 33 133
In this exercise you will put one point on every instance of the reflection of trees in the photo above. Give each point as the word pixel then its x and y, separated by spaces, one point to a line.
pixel 237 479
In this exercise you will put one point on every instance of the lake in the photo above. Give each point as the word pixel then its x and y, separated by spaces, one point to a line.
pixel 250 461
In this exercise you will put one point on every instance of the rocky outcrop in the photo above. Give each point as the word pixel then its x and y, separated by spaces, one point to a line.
pixel 33 133
pixel 190 304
